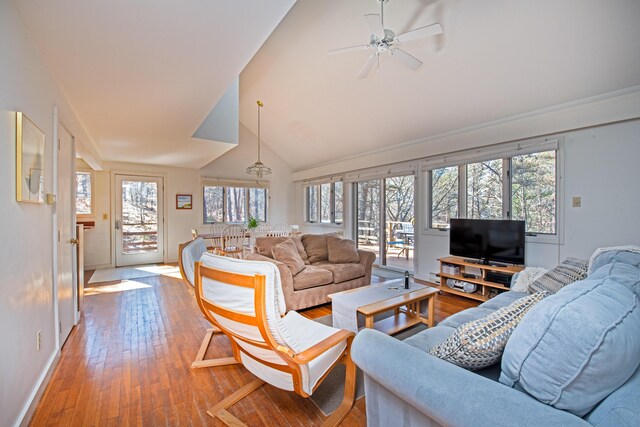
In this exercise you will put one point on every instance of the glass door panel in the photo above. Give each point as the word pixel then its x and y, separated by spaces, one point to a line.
pixel 139 220
pixel 399 249
pixel 368 216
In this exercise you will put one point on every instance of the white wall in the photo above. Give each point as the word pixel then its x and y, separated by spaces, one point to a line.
pixel 26 231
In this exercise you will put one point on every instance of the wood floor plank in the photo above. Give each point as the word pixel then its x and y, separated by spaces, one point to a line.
pixel 128 364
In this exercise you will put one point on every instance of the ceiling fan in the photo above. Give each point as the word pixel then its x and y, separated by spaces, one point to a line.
pixel 383 40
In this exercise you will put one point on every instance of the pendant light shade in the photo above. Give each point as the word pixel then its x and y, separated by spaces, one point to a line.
pixel 259 169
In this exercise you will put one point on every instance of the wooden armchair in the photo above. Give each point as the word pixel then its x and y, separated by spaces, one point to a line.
pixel 188 254
pixel 244 300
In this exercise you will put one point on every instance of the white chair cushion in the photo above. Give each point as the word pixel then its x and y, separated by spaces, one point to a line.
pixel 191 253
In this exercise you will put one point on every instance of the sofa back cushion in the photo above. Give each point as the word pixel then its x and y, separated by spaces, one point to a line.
pixel 315 245
pixel 576 347
pixel 568 271
pixel 342 251
pixel 287 253
pixel 264 245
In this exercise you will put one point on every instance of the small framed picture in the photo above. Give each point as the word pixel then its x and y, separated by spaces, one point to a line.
pixel 183 201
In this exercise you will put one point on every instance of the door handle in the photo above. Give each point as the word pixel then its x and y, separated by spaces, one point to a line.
pixel 118 224
pixel 74 241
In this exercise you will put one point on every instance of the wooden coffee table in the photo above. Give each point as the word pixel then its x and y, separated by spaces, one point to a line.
pixel 406 308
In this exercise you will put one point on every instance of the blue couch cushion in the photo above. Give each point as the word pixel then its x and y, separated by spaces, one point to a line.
pixel 576 347
pixel 621 408
pixel 503 300
pixel 429 338
pixel 465 316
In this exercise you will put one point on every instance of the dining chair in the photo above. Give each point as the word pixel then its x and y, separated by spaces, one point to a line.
pixel 188 254
pixel 233 240
pixel 244 299
pixel 215 237
pixel 280 230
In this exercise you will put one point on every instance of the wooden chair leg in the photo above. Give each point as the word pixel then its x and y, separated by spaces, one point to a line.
pixel 220 410
pixel 349 396
pixel 201 362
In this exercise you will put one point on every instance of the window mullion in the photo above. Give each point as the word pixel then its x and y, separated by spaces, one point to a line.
pixel 462 191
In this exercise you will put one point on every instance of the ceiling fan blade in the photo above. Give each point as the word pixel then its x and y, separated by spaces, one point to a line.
pixel 348 49
pixel 409 60
pixel 368 65
pixel 420 33
pixel 375 23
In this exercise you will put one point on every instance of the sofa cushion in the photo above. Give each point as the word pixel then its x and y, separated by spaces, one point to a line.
pixel 502 300
pixel 301 251
pixel 341 251
pixel 575 347
pixel 429 338
pixel 316 246
pixel 287 253
pixel 620 408
pixel 568 271
pixel 265 244
pixel 344 272
pixel 480 343
pixel 521 281
pixel 311 277
pixel 465 316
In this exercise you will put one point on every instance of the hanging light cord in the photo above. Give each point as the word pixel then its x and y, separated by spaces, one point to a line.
pixel 260 104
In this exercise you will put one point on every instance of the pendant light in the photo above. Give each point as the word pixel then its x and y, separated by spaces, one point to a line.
pixel 258 168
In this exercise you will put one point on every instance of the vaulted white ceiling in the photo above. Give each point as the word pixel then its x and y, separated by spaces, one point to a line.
pixel 496 59
pixel 142 75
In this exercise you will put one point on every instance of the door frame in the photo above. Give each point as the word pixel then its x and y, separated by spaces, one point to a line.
pixel 60 121
pixel 114 194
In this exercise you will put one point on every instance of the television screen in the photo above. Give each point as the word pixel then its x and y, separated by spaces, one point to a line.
pixel 488 240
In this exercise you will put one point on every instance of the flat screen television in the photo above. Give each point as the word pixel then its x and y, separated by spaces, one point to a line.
pixel 488 240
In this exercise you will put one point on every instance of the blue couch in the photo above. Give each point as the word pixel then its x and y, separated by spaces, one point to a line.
pixel 406 386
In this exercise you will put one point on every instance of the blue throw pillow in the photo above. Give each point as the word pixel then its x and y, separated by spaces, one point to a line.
pixel 576 347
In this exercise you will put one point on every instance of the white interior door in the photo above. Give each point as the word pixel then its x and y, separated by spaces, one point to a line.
pixel 65 211
pixel 139 220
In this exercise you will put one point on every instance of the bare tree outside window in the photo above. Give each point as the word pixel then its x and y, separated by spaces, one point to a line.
pixel 83 193
pixel 339 209
pixel 325 203
pixel 213 204
pixel 533 191
pixel 312 203
pixel 235 211
pixel 258 203
pixel 139 216
pixel 444 196
pixel 484 190
pixel 399 198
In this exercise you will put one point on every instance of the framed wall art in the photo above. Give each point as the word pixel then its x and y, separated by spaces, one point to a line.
pixel 29 161
pixel 183 201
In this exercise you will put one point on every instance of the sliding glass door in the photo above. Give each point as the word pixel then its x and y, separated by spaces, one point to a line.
pixel 385 219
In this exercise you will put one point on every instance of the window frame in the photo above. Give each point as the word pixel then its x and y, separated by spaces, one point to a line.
pixel 556 238
pixel 92 214
pixel 247 202
pixel 332 204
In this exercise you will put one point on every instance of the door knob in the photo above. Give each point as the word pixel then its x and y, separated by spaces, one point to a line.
pixel 74 241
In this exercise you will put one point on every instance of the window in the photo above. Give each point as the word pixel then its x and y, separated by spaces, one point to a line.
pixel 484 190
pixel 533 191
pixel 231 204
pixel 84 201
pixel 522 187
pixel 444 196
pixel 324 203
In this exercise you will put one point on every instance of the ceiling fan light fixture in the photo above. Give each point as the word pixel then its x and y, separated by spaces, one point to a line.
pixel 259 169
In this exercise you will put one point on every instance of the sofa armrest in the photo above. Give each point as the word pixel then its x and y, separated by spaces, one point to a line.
pixel 366 257
pixel 446 393
pixel 286 277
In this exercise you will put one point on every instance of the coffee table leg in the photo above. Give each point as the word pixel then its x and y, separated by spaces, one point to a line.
pixel 431 311
pixel 368 322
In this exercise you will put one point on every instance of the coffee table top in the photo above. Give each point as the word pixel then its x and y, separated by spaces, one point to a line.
pixel 376 302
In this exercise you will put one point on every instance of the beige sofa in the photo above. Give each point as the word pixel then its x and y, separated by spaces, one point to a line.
pixel 320 276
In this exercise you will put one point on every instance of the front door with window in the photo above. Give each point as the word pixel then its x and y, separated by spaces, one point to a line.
pixel 139 220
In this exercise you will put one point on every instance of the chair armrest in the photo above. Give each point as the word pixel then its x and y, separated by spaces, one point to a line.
pixel 318 349
pixel 446 393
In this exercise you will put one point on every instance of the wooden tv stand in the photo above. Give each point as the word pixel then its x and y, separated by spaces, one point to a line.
pixel 482 294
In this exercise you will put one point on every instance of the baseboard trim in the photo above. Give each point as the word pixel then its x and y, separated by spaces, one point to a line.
pixel 32 403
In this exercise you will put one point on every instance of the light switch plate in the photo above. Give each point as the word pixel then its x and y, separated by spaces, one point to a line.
pixel 576 202
pixel 105 216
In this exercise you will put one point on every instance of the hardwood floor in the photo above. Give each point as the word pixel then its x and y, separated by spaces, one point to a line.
pixel 128 363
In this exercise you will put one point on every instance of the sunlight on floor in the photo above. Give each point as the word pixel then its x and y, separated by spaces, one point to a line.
pixel 125 285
